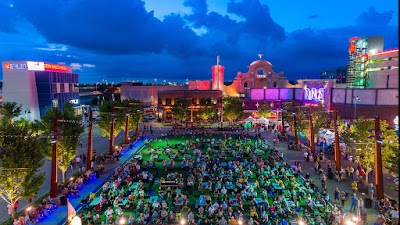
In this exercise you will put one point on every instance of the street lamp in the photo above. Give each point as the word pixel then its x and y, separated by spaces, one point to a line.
pixel 355 100
pixel 54 159
pixel 26 113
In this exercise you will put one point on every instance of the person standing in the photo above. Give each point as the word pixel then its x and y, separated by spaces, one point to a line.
pixel 336 195
pixel 343 198
pixel 354 186
pixel 353 203
pixel 364 216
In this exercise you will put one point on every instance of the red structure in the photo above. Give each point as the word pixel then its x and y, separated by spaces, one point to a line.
pixel 217 76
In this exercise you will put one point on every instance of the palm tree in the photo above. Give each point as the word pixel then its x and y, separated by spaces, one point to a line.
pixel 9 110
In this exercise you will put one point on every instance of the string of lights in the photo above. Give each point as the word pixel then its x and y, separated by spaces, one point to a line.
pixel 33 136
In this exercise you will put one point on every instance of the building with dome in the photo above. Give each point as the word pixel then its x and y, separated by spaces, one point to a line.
pixel 259 75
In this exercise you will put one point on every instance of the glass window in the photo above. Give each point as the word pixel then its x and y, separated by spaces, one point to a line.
pixel 54 88
pixel 62 87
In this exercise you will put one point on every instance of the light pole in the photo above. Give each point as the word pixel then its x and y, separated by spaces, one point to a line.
pixel 54 160
pixel 355 99
pixel 111 149
pixel 378 160
pixel 312 144
pixel 336 145
pixel 126 140
pixel 90 141
pixel 26 113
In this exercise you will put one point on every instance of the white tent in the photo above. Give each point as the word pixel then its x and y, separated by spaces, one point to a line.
pixel 249 119
pixel 262 120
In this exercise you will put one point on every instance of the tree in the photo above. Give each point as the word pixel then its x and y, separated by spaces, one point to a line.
pixel 206 109
pixel 359 142
pixel 233 108
pixel 264 110
pixel 21 155
pixel 69 133
pixel 179 109
pixel 104 122
pixel 320 120
pixel 135 115
pixel 9 110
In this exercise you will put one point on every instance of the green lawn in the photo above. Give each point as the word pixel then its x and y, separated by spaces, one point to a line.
pixel 174 143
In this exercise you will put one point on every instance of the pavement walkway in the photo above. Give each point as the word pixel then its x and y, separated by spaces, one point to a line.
pixel 293 156
pixel 60 214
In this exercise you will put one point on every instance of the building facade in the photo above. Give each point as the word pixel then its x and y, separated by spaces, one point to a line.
pixel 259 75
pixel 339 74
pixel 37 85
pixel 359 48
pixel 167 100
pixel 383 69
pixel 148 94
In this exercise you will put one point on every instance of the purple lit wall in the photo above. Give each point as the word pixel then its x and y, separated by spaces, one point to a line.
pixel 286 94
pixel 257 94
pixel 272 94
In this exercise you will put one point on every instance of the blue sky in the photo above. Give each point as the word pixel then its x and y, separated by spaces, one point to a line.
pixel 175 40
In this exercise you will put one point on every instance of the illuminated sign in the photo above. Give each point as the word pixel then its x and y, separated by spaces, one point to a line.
pixel 314 94
pixel 15 66
pixel 37 66
pixel 352 48
pixel 42 66
pixel 55 67
pixel 74 101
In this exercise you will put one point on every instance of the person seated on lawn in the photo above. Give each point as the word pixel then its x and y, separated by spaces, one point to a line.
pixel 131 201
pixel 119 210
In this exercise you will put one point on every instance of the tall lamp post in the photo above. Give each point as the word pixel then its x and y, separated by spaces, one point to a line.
pixel 378 160
pixel 90 142
pixel 337 147
pixel 355 100
pixel 111 146
pixel 126 138
pixel 54 160
pixel 312 144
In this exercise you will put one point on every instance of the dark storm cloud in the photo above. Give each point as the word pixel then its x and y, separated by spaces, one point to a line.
pixel 372 18
pixel 123 27
pixel 123 38
pixel 258 20
pixel 314 16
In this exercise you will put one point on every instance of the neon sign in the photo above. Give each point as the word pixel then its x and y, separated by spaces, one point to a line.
pixel 74 101
pixel 42 66
pixel 15 66
pixel 314 94
pixel 54 67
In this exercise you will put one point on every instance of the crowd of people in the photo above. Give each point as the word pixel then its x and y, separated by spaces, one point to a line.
pixel 209 180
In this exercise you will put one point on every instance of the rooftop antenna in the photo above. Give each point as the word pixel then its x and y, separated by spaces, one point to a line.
pixel 260 55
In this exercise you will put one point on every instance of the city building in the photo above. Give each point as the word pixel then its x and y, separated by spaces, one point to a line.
pixel 339 74
pixel 259 75
pixel 167 100
pixel 148 94
pixel 383 69
pixel 37 85
pixel 359 48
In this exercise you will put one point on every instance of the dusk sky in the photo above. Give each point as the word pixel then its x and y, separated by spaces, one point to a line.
pixel 175 40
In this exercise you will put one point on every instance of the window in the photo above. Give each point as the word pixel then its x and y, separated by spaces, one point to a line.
pixel 54 88
pixel 275 84
pixel 62 90
pixel 168 101
pixel 71 87
pixel 245 85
